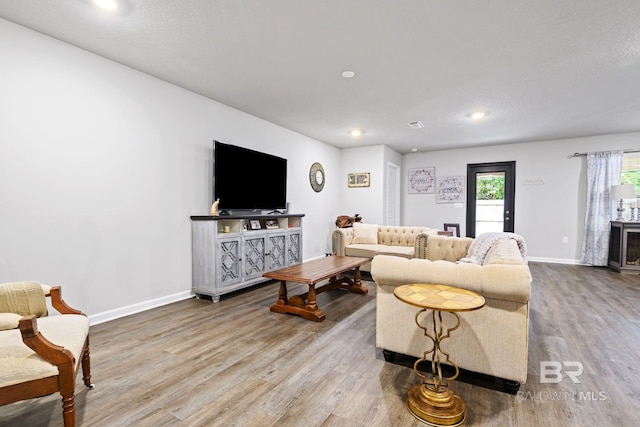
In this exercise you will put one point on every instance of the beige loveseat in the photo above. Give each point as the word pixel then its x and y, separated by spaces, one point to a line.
pixel 369 240
pixel 492 340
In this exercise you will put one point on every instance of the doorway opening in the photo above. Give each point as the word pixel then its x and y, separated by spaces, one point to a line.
pixel 490 197
pixel 392 193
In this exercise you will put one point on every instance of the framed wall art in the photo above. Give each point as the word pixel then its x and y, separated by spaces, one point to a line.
pixel 360 179
pixel 422 180
pixel 450 189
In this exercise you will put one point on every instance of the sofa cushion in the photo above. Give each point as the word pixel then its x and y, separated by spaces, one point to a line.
pixel 365 233
pixel 504 251
pixel 364 251
pixel 23 298
pixel 9 321
pixel 400 236
pixel 18 363
pixel 402 251
pixel 502 282
pixel 447 248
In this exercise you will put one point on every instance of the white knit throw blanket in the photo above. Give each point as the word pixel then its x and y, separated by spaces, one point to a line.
pixel 479 248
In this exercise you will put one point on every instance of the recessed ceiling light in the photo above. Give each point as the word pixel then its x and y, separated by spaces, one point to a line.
pixel 106 4
pixel 348 74
pixel 477 115
pixel 413 150
pixel 355 132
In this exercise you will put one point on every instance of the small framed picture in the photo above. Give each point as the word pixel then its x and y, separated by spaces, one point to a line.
pixel 360 179
pixel 271 224
pixel 244 225
pixel 255 224
pixel 453 228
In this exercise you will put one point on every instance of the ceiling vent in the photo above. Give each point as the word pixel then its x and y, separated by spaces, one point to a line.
pixel 416 125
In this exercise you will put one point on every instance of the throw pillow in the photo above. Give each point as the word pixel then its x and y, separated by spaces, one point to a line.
pixel 9 321
pixel 365 233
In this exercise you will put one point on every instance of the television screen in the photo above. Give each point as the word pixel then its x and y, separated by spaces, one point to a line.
pixel 245 179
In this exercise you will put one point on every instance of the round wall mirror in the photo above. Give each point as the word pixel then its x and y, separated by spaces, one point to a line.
pixel 316 177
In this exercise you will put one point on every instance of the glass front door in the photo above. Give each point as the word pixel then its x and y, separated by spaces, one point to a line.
pixel 490 197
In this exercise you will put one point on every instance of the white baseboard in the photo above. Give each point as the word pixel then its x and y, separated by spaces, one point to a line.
pixel 105 316
pixel 555 260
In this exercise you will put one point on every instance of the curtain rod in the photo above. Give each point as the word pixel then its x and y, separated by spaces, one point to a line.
pixel 634 150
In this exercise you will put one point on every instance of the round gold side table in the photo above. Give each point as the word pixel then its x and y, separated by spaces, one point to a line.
pixel 431 401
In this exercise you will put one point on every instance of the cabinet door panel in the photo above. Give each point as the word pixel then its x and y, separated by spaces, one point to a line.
pixel 254 257
pixel 229 262
pixel 276 252
pixel 294 249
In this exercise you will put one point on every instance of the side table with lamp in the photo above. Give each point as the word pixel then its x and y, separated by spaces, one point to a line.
pixel 624 237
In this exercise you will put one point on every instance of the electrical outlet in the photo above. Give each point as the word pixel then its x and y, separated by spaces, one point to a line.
pixel 565 239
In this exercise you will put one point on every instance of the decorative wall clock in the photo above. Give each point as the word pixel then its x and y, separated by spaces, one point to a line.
pixel 316 177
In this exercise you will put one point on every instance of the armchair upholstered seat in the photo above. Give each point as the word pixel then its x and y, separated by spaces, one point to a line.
pixel 41 354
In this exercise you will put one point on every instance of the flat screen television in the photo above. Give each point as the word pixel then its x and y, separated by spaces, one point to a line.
pixel 246 179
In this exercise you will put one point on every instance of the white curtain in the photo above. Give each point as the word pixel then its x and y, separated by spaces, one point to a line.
pixel 603 171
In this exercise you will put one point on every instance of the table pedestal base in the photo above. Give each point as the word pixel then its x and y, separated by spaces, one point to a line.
pixel 441 408
pixel 305 305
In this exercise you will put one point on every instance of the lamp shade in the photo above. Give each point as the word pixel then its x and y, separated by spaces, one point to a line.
pixel 623 191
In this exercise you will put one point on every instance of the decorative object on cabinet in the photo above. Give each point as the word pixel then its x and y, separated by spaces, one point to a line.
pixel 624 246
pixel 255 224
pixel 316 177
pixel 214 208
pixel 270 224
pixel 344 221
pixel 359 179
pixel 226 262
pixel 621 192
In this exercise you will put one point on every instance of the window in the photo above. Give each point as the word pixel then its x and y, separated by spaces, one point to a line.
pixel 631 170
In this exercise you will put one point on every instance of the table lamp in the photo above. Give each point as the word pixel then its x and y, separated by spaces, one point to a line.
pixel 621 192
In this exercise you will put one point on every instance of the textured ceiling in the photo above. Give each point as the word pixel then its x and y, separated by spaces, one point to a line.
pixel 545 69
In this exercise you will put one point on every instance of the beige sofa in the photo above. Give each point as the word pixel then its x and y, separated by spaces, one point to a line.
pixel 492 340
pixel 369 240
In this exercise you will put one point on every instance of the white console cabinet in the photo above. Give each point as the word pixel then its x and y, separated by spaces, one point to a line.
pixel 229 254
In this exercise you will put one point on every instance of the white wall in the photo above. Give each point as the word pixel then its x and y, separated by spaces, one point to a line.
pixel 543 213
pixel 101 167
pixel 366 201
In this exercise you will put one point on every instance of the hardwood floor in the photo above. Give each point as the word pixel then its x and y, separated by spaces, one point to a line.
pixel 235 363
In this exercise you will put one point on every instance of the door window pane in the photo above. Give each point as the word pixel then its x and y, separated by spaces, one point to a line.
pixel 489 202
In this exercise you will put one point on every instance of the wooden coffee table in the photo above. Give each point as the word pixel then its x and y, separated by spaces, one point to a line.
pixel 312 272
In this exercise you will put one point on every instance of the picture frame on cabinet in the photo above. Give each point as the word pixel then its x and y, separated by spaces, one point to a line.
pixel 255 224
pixel 270 224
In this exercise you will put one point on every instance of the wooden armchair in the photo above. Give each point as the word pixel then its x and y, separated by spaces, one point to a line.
pixel 32 365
